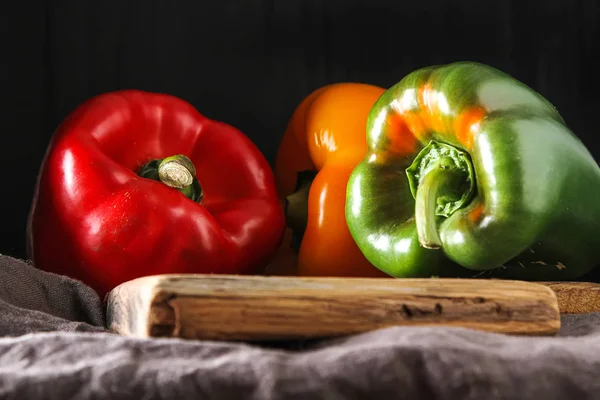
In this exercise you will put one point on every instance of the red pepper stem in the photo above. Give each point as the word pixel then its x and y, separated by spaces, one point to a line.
pixel 176 171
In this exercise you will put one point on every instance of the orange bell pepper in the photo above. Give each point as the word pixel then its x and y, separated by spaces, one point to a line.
pixel 324 140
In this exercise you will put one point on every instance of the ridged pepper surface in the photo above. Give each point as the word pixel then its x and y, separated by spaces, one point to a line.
pixel 324 140
pixel 468 166
pixel 136 183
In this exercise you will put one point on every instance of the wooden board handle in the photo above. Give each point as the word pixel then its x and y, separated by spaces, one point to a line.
pixel 283 308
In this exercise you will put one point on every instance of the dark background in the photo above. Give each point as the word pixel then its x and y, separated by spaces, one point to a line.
pixel 249 63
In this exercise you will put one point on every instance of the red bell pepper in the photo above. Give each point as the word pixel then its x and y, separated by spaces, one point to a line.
pixel 136 183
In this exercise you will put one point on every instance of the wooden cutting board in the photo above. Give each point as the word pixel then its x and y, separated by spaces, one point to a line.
pixel 267 308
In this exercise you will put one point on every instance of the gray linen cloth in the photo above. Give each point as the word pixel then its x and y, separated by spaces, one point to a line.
pixel 54 346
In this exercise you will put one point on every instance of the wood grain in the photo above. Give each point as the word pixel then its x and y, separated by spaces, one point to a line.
pixel 576 297
pixel 282 308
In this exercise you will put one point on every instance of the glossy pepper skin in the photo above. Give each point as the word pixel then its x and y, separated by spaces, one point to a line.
pixel 467 166
pixel 102 214
pixel 324 140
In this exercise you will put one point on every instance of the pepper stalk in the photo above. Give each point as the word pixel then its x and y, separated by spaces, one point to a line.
pixel 176 171
pixel 442 181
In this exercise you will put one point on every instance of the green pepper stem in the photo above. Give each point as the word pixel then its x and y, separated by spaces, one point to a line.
pixel 442 181
pixel 430 187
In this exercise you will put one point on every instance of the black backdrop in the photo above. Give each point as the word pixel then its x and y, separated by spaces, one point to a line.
pixel 249 62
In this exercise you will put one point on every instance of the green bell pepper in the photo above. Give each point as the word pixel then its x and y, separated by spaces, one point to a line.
pixel 467 167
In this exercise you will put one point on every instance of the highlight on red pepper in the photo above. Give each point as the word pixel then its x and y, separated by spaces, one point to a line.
pixel 467 166
pixel 137 183
pixel 324 140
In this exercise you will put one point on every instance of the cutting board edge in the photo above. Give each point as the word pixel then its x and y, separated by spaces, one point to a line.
pixel 154 299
